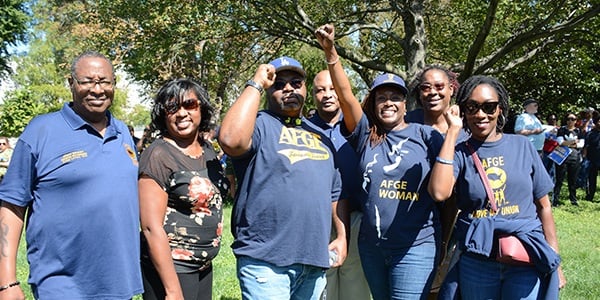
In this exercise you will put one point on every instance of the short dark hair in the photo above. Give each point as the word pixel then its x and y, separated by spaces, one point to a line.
pixel 87 54
pixel 176 90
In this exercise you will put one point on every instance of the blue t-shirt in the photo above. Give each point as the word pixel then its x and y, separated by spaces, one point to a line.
pixel 415 116
pixel 398 210
pixel 83 222
pixel 346 159
pixel 526 121
pixel 516 174
pixel 287 183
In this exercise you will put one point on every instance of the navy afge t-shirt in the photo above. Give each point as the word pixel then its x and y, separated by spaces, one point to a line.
pixel 397 209
pixel 287 183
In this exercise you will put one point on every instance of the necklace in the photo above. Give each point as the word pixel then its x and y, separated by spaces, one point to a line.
pixel 188 151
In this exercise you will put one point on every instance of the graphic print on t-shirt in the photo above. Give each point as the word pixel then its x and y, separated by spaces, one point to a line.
pixel 396 150
pixel 497 177
pixel 303 145
pixel 396 189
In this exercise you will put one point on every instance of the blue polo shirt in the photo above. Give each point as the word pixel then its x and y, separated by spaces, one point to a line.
pixel 526 121
pixel 346 159
pixel 83 217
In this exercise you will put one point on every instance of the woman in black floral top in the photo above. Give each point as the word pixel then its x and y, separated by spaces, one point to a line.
pixel 180 186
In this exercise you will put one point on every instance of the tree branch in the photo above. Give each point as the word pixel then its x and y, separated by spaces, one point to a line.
pixel 534 35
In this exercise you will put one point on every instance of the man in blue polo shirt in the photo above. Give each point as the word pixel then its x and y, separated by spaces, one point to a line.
pixel 288 188
pixel 346 282
pixel 75 173
pixel 529 125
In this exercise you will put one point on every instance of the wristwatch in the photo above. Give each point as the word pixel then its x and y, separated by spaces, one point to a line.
pixel 255 85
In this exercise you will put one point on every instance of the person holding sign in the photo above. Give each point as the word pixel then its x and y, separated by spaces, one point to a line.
pixel 570 136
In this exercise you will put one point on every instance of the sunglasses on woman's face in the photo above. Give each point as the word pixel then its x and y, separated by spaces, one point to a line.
pixel 172 107
pixel 571 119
pixel 473 107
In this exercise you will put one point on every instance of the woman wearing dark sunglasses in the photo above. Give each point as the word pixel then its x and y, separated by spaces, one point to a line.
pixel 400 225
pixel 180 187
pixel 571 136
pixel 520 186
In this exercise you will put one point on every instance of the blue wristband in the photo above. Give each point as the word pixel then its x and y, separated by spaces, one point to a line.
pixel 444 161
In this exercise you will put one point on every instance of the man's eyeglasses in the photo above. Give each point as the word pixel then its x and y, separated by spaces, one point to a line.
pixel 172 107
pixel 473 107
pixel 2 144
pixel 426 87
pixel 90 84
pixel 296 83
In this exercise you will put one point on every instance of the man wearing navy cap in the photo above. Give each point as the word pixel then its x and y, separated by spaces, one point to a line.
pixel 288 188
pixel 529 125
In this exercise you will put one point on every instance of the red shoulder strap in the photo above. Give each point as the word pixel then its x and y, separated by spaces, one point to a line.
pixel 484 178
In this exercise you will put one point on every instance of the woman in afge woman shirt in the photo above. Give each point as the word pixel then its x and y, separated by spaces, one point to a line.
pixel 520 186
pixel 181 187
pixel 400 225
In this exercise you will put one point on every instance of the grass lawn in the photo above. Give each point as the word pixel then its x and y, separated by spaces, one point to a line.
pixel 578 240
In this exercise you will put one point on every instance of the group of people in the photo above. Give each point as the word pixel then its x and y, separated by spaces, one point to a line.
pixel 580 149
pixel 357 201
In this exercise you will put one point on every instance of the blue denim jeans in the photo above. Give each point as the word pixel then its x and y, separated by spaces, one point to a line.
pixel 262 280
pixel 405 273
pixel 487 279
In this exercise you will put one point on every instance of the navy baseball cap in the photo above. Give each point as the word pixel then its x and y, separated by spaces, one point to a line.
pixel 287 63
pixel 389 79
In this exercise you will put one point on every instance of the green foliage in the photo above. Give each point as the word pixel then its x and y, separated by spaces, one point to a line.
pixel 18 109
pixel 157 41
pixel 379 36
pixel 525 43
pixel 562 79
pixel 139 116
pixel 13 28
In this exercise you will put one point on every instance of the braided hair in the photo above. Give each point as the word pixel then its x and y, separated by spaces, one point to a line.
pixel 414 87
pixel 466 89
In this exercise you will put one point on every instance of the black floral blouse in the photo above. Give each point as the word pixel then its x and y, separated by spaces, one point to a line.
pixel 194 216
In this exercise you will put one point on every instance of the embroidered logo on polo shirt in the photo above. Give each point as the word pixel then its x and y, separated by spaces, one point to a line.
pixel 131 154
pixel 73 156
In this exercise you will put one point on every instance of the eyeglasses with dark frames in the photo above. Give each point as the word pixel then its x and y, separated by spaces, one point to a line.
pixel 295 83
pixel 91 83
pixel 473 107
pixel 571 119
pixel 174 106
